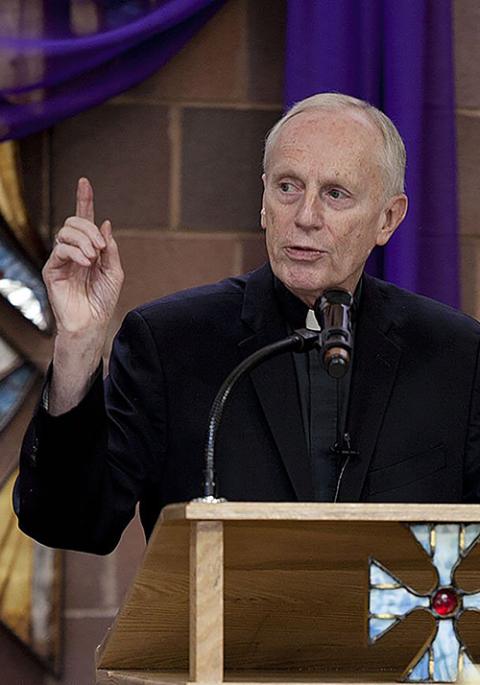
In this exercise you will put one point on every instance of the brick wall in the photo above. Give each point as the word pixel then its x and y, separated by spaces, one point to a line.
pixel 467 53
pixel 176 166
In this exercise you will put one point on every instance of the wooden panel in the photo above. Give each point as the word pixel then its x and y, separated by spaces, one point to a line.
pixel 129 677
pixel 297 597
pixel 295 592
pixel 206 602
pixel 306 511
pixel 151 629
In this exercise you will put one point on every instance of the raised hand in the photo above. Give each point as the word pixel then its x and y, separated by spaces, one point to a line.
pixel 83 274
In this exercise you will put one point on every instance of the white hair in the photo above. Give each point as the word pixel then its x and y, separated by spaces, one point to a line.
pixel 393 156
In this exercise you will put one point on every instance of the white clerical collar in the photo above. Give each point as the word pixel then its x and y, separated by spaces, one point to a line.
pixel 311 321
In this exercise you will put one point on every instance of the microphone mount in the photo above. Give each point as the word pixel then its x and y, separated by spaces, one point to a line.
pixel 332 311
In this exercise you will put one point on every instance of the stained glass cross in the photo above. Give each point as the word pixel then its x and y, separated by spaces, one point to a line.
pixel 444 657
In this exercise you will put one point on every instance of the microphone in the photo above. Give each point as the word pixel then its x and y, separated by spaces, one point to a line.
pixel 332 311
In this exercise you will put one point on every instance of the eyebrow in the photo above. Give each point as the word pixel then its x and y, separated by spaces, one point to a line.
pixel 288 172
pixel 284 172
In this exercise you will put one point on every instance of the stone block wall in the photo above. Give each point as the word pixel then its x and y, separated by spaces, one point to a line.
pixel 176 166
pixel 467 58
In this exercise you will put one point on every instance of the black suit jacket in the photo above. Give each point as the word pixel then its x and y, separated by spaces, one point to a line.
pixel 414 414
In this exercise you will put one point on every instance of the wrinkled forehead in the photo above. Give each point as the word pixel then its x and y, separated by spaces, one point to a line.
pixel 346 132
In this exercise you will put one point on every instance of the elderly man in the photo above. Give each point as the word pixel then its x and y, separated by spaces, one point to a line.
pixel 333 190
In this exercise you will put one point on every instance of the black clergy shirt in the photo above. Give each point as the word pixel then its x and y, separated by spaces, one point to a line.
pixel 318 400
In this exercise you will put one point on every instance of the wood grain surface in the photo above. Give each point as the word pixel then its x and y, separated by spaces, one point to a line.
pixel 206 602
pixel 295 597
pixel 312 511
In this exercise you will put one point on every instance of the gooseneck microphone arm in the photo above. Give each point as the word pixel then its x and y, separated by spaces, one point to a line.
pixel 301 340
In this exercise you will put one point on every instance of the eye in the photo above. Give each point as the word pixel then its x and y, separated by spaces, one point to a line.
pixel 336 193
pixel 286 187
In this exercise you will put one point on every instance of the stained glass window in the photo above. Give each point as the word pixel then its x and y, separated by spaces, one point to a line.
pixel 444 657
pixel 21 284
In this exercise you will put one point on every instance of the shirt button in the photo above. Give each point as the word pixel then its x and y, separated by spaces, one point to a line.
pixel 34 452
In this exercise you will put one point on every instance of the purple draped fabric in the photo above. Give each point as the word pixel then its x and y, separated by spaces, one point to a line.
pixel 398 56
pixel 48 73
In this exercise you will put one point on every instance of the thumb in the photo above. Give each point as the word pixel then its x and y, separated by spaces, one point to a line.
pixel 109 256
pixel 106 230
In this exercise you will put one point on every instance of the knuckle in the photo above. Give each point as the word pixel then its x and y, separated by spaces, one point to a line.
pixel 46 271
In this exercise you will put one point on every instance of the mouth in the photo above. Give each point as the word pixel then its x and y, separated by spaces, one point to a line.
pixel 299 253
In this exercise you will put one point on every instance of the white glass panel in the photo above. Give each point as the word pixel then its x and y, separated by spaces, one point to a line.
pixel 422 533
pixel 447 551
pixel 8 358
pixel 397 602
pixel 446 649
pixel 379 626
pixel 472 601
pixel 472 535
pixel 13 389
pixel 419 672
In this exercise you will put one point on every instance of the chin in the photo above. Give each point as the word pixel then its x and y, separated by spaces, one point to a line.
pixel 306 291
pixel 303 283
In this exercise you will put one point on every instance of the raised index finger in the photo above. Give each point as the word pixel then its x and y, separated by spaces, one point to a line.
pixel 84 208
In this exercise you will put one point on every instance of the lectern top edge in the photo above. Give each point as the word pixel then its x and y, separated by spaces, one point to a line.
pixel 309 511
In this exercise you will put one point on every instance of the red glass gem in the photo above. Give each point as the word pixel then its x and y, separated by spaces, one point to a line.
pixel 445 601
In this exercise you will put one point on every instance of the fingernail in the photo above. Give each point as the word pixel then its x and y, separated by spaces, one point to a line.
pixel 100 240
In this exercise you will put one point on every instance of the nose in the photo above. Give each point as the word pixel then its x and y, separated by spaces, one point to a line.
pixel 309 213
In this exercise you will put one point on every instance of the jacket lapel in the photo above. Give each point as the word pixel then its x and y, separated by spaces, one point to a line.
pixel 275 381
pixel 376 359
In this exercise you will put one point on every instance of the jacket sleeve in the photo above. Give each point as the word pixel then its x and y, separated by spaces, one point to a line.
pixel 82 473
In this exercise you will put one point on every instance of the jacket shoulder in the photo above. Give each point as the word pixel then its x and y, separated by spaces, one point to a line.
pixel 207 309
pixel 197 302
pixel 418 313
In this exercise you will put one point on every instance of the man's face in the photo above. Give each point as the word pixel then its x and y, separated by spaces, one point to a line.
pixel 324 201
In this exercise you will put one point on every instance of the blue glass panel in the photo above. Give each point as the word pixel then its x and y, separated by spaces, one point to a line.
pixel 419 672
pixel 472 601
pixel 446 648
pixel 22 286
pixel 472 536
pixel 447 551
pixel 379 626
pixel 13 389
pixel 397 602
pixel 9 359
pixel 422 534
pixel 468 669
pixel 448 544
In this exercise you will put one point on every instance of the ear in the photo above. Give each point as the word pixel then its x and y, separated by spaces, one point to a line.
pixel 394 214
pixel 263 223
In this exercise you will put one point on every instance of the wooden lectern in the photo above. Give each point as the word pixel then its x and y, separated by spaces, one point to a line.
pixel 276 593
